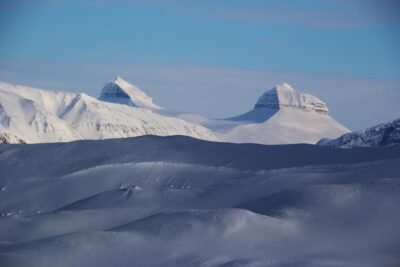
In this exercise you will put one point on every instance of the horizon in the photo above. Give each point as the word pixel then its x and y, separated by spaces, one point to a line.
pixel 180 54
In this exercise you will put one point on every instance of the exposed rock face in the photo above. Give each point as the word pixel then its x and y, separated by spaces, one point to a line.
pixel 285 96
pixel 383 135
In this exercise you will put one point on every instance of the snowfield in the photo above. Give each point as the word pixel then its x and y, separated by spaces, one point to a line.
pixel 179 201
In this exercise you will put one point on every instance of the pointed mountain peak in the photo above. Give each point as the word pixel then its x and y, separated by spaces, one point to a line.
pixel 284 87
pixel 122 92
pixel 285 96
pixel 122 82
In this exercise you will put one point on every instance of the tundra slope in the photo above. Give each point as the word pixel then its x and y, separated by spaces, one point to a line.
pixel 178 201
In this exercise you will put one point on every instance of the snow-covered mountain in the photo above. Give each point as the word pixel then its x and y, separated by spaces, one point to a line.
pixel 283 116
pixel 178 201
pixel 121 92
pixel 34 115
pixel 280 116
pixel 284 95
pixel 382 135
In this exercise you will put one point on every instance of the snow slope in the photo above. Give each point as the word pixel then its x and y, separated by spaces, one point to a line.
pixel 178 201
pixel 382 135
pixel 283 116
pixel 35 116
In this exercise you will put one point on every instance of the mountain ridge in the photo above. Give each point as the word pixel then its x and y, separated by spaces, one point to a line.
pixel 382 135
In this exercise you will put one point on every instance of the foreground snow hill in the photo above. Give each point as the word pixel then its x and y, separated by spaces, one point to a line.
pixel 31 115
pixel 283 116
pixel 382 135
pixel 179 201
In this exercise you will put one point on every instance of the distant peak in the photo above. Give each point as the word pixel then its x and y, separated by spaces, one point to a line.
pixel 284 87
pixel 120 79
pixel 122 92
pixel 285 96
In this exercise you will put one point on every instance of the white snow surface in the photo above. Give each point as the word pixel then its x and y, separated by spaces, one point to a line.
pixel 178 201
pixel 37 116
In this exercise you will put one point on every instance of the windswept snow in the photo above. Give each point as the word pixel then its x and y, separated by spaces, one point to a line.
pixel 178 201
pixel 37 116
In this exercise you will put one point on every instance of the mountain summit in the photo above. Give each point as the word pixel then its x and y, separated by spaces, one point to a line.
pixel 284 95
pixel 122 92
pixel 284 116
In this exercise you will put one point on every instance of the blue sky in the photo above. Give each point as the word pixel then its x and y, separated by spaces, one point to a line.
pixel 212 57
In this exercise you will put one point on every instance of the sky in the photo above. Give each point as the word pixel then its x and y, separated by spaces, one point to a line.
pixel 211 57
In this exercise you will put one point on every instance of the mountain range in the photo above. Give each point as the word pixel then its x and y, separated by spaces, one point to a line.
pixel 280 116
pixel 31 115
